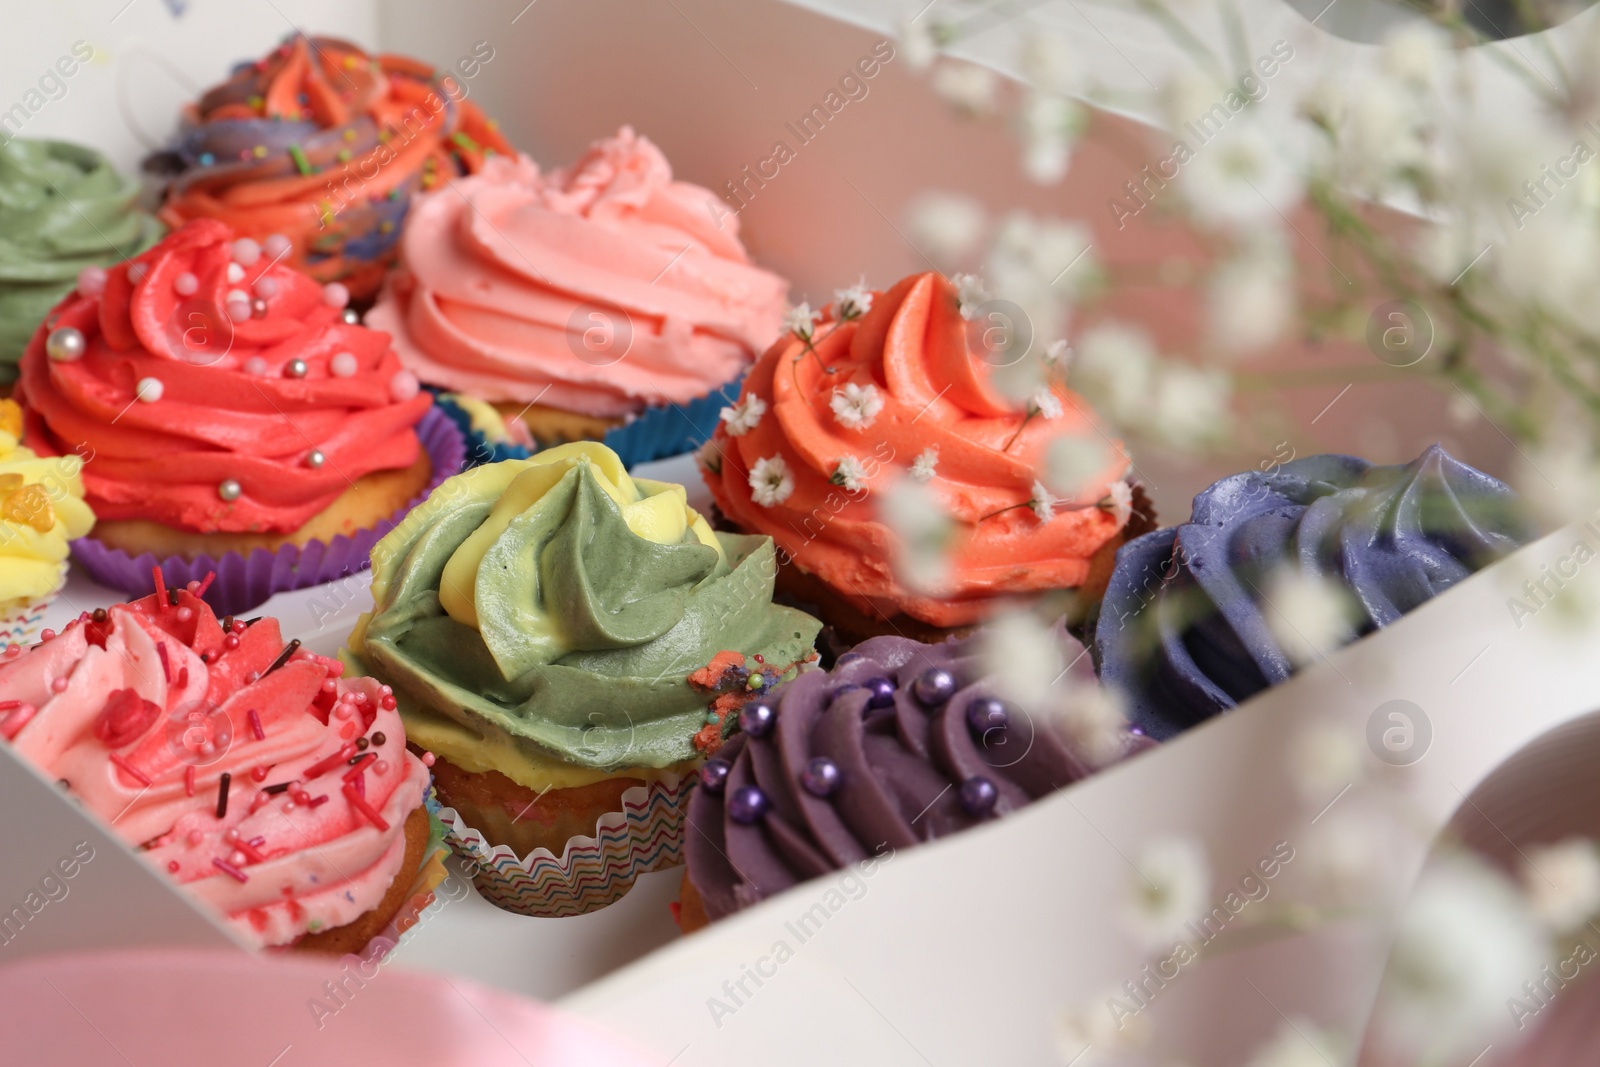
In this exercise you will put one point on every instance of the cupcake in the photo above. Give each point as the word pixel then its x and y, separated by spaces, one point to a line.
pixel 901 743
pixel 63 210
pixel 1189 626
pixel 263 436
pixel 490 436
pixel 324 144
pixel 559 634
pixel 605 300
pixel 41 511
pixel 277 793
pixel 832 418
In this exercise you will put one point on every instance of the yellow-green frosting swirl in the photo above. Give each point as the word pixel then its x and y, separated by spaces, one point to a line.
pixel 41 511
pixel 554 608
pixel 63 207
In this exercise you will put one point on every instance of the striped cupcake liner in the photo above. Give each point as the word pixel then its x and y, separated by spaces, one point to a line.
pixel 647 835
pixel 657 433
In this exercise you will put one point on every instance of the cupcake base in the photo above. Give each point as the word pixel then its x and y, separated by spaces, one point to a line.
pixel 552 426
pixel 353 936
pixel 245 580
pixel 369 501
pixel 20 621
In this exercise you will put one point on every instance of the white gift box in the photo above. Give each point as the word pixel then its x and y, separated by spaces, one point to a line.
pixel 967 949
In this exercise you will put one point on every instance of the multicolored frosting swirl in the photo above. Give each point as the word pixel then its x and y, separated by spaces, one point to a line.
pixel 325 144
pixel 601 289
pixel 63 207
pixel 899 744
pixel 823 426
pixel 41 512
pixel 216 389
pixel 225 756
pixel 1186 629
pixel 542 618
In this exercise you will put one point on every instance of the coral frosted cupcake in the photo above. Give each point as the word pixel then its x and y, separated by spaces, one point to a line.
pixel 41 512
pixel 558 633
pixel 834 415
pixel 900 743
pixel 277 793
pixel 582 300
pixel 325 144
pixel 63 209
pixel 228 411
pixel 1193 624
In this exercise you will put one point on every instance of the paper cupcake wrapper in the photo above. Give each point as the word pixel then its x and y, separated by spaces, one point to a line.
pixel 658 432
pixel 20 624
pixel 243 582
pixel 647 835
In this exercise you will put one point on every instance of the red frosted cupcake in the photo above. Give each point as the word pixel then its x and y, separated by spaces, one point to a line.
pixel 276 792
pixel 231 418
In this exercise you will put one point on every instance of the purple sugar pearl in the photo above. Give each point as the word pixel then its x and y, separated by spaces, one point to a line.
pixel 714 775
pixel 757 718
pixel 748 804
pixel 934 686
pixel 882 691
pixel 987 714
pixel 821 777
pixel 978 796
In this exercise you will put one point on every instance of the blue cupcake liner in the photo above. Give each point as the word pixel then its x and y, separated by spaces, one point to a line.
pixel 657 433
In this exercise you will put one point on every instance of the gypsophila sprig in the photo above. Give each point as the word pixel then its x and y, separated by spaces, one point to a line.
pixel 770 481
pixel 971 293
pixel 856 407
pixel 854 302
pixel 1044 404
pixel 744 416
pixel 801 321
pixel 1043 502
pixel 1119 502
pixel 926 464
pixel 849 473
pixel 709 457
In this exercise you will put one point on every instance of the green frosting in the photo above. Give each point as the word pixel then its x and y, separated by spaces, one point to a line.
pixel 587 631
pixel 63 207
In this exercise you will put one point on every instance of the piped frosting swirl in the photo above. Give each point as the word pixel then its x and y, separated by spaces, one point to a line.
pixel 1185 628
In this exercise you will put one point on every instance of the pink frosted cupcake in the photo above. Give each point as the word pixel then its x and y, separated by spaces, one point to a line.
pixel 276 792
pixel 601 301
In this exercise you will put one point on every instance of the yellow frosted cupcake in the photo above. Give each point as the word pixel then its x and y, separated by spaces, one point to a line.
pixel 41 512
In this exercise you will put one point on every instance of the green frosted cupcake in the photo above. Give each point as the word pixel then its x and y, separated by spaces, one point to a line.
pixel 63 208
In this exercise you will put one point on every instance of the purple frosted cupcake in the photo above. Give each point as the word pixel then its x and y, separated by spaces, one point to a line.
pixel 900 743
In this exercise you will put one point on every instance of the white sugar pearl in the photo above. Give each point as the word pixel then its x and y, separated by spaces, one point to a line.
pixel 235 274
pixel 246 251
pixel 150 390
pixel 186 284
pixel 137 271
pixel 255 365
pixel 343 365
pixel 266 287
pixel 276 246
pixel 335 295
pixel 403 386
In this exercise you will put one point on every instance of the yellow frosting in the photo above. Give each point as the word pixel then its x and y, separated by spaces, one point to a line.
pixel 41 511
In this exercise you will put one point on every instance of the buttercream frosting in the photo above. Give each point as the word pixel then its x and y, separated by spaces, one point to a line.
pixel 326 144
pixel 601 288
pixel 837 419
pixel 41 511
pixel 1186 627
pixel 556 607
pixel 63 208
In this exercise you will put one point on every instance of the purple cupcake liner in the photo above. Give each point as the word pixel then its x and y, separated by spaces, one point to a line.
pixel 243 582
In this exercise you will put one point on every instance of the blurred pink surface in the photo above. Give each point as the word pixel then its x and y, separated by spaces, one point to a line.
pixel 208 1009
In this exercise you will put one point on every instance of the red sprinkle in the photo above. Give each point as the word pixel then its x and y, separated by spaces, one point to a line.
pixel 359 765
pixel 249 848
pixel 161 589
pixel 230 870
pixel 188 780
pixel 166 665
pixel 129 769
pixel 321 767
pixel 7 705
pixel 183 678
pixel 363 807
pixel 205 583
pixel 255 725
pixel 315 801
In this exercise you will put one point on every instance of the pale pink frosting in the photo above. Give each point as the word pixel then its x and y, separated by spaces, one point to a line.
pixel 305 866
pixel 507 275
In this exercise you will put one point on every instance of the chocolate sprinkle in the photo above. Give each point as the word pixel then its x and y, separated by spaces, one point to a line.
pixel 222 794
pixel 274 790
pixel 283 657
